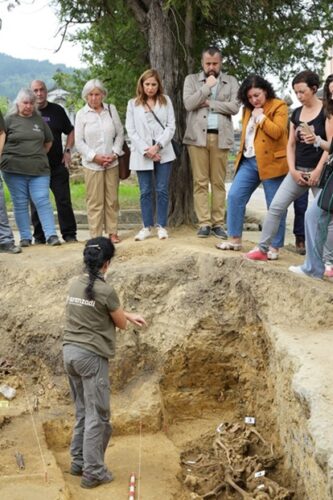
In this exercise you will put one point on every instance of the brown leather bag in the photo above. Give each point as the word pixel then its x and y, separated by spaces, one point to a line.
pixel 123 162
pixel 124 159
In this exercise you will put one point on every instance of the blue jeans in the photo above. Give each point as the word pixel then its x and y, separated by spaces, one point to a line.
pixel 22 188
pixel 6 234
pixel 244 184
pixel 318 240
pixel 300 206
pixel 161 175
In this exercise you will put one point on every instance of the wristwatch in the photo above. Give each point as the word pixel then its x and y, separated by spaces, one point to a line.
pixel 67 150
pixel 159 145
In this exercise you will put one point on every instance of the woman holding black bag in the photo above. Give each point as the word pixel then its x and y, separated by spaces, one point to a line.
pixel 318 222
pixel 150 124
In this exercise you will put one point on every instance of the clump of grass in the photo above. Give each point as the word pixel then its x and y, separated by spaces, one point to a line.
pixel 129 195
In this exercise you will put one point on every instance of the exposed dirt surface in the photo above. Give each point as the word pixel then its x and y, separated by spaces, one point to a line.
pixel 210 356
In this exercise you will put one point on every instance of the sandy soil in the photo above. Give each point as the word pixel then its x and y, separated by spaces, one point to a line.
pixel 203 359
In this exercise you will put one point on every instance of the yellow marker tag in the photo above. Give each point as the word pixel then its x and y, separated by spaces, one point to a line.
pixel 4 404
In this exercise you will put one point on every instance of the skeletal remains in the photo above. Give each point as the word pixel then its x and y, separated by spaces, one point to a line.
pixel 234 462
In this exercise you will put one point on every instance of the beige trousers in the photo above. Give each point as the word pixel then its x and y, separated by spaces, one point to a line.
pixel 209 165
pixel 102 200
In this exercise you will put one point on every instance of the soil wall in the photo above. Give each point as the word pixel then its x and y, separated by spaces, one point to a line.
pixel 226 339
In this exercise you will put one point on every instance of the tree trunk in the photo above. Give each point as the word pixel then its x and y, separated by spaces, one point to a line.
pixel 167 54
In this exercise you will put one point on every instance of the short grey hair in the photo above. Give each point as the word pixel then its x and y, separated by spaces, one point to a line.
pixel 91 85
pixel 23 94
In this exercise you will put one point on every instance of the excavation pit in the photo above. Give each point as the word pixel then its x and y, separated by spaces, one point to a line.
pixel 226 340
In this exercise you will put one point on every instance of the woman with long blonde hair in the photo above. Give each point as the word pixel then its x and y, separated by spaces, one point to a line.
pixel 150 124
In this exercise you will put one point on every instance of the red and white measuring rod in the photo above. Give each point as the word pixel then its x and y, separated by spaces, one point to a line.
pixel 132 485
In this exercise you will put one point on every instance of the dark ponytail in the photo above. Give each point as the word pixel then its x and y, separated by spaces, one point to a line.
pixel 96 252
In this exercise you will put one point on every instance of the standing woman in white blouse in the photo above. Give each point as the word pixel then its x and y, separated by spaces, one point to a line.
pixel 99 137
pixel 150 123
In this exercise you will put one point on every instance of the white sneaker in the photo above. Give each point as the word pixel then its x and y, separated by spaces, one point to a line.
pixel 299 271
pixel 144 233
pixel 272 255
pixel 162 233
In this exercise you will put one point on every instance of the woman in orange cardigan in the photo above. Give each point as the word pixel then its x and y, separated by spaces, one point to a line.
pixel 261 158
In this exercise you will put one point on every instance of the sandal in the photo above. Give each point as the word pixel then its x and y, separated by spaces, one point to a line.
pixel 227 245
pixel 114 238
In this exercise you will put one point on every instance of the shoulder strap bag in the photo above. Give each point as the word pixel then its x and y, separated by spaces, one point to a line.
pixel 124 159
pixel 177 147
pixel 325 200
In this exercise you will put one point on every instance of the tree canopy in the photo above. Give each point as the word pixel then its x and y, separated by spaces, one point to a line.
pixel 122 38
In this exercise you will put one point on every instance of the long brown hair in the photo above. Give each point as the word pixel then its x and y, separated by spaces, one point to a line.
pixel 327 97
pixel 141 97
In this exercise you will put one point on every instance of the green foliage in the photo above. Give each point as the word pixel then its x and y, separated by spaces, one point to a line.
pixel 3 105
pixel 113 48
pixel 73 83
pixel 18 73
pixel 278 37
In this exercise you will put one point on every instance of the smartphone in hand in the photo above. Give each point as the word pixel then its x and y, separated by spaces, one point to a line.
pixel 306 128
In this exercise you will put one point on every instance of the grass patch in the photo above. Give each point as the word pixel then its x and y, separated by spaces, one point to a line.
pixel 129 196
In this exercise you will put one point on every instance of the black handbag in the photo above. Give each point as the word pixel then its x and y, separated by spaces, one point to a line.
pixel 325 200
pixel 177 147
pixel 326 172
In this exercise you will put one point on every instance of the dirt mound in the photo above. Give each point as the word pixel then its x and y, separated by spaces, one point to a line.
pixel 207 356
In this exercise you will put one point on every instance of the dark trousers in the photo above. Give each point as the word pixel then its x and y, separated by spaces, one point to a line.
pixel 88 375
pixel 300 207
pixel 59 184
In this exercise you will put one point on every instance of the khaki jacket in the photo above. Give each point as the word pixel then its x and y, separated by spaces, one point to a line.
pixel 226 104
pixel 270 140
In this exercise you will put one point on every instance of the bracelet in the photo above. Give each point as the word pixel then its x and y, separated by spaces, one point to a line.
pixel 318 141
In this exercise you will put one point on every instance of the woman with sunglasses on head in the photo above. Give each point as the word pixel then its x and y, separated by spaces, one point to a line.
pixel 319 223
pixel 305 161
pixel 93 312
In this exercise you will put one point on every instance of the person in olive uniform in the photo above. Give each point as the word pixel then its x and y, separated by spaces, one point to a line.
pixel 93 312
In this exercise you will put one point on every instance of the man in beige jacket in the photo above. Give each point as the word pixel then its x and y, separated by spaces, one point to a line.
pixel 210 98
